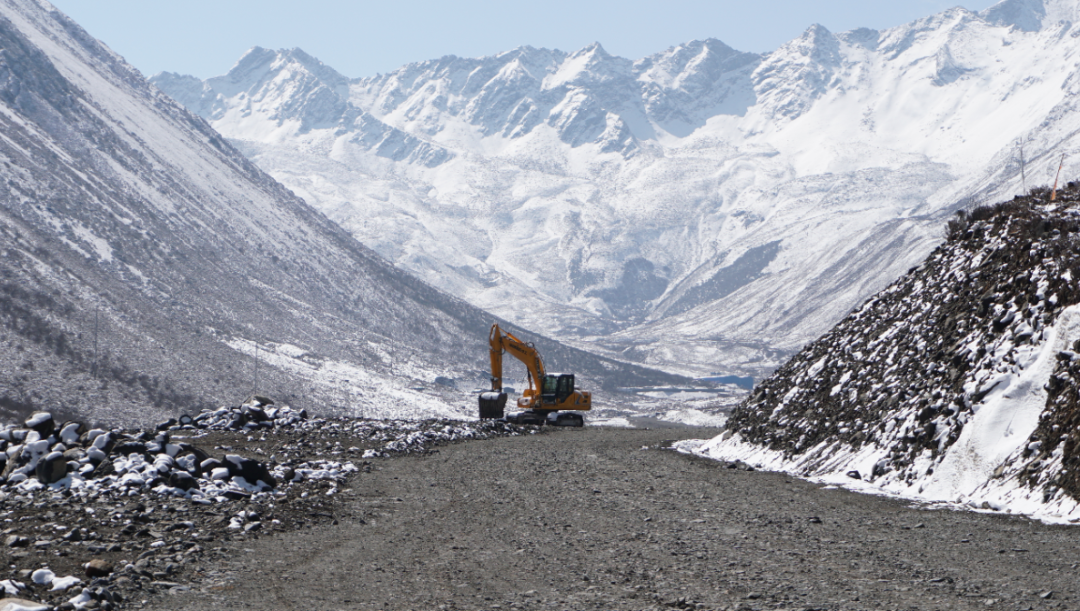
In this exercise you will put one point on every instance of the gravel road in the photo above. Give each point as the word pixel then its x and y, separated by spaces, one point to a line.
pixel 606 519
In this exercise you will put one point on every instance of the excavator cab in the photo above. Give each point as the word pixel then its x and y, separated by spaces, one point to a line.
pixel 557 387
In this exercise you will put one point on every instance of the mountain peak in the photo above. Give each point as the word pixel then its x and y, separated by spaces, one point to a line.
pixel 817 44
pixel 523 50
pixel 818 40
pixel 863 37
pixel 258 59
pixel 254 59
pixel 796 74
pixel 591 64
pixel 594 49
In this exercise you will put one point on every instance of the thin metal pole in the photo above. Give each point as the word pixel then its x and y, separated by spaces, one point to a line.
pixel 96 310
pixel 1023 176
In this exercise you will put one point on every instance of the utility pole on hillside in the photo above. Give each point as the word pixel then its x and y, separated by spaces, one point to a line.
pixel 256 388
pixel 1023 177
pixel 96 311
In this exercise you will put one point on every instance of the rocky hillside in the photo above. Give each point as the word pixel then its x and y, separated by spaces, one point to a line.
pixel 957 382
pixel 147 267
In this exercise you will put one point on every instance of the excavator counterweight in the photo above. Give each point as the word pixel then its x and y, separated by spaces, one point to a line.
pixel 548 397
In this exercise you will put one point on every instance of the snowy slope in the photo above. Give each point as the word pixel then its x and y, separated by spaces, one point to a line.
pixel 147 267
pixel 956 384
pixel 700 209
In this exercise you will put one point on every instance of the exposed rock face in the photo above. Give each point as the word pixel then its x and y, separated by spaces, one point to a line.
pixel 981 336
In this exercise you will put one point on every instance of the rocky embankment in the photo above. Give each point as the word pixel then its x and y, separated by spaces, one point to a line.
pixel 956 383
pixel 92 518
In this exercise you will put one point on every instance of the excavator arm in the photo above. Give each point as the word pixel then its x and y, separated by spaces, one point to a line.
pixel 506 342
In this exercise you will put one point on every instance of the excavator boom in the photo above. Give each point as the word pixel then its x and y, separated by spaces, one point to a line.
pixel 506 342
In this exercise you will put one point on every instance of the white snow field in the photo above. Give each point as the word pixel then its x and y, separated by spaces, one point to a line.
pixel 700 209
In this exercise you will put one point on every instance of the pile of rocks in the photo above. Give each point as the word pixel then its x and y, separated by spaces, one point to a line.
pixel 42 454
pixel 158 508
pixel 97 595
pixel 256 413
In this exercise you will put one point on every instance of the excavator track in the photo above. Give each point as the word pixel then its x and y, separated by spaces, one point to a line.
pixel 567 419
pixel 537 418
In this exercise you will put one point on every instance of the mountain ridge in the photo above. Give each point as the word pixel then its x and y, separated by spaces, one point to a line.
pixel 601 190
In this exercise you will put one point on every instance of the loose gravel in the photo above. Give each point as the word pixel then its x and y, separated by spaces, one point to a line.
pixel 608 519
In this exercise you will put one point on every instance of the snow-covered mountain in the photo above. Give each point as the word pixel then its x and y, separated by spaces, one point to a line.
pixel 701 209
pixel 958 383
pixel 147 267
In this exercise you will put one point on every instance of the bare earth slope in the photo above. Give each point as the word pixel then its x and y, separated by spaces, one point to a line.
pixel 589 519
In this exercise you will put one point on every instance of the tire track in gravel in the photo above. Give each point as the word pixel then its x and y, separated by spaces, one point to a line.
pixel 587 519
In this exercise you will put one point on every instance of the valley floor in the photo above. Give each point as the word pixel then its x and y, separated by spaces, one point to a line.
pixel 604 518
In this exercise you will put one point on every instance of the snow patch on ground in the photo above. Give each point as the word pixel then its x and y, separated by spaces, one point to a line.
pixel 693 417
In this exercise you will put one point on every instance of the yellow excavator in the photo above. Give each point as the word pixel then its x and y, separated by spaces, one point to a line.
pixel 546 398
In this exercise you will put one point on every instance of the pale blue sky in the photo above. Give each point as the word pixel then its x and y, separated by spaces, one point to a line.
pixel 361 38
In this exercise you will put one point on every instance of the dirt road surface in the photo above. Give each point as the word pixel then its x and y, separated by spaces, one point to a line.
pixel 605 519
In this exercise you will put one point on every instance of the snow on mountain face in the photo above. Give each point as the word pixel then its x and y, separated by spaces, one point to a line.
pixel 789 81
pixel 147 267
pixel 686 85
pixel 700 209
pixel 1032 15
pixel 957 383
pixel 295 94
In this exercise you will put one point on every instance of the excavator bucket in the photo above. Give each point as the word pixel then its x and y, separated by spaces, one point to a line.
pixel 492 404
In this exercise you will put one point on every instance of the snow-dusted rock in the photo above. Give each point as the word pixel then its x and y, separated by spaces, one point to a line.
pixel 252 471
pixel 98 568
pixel 70 432
pixel 42 576
pixel 183 480
pixel 64 583
pixel 957 383
pixel 42 422
pixel 51 468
